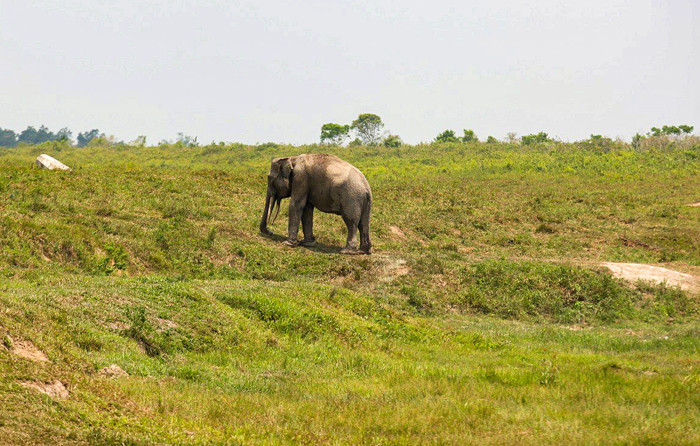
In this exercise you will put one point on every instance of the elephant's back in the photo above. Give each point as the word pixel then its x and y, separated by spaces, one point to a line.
pixel 338 185
pixel 339 171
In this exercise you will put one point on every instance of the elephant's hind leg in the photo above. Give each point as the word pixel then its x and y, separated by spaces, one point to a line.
pixel 307 224
pixel 365 243
pixel 351 244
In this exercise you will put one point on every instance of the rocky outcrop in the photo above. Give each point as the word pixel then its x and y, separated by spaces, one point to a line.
pixel 45 161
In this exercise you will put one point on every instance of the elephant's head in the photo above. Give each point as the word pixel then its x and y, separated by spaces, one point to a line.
pixel 279 186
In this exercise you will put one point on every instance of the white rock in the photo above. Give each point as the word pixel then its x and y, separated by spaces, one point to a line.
pixel 45 161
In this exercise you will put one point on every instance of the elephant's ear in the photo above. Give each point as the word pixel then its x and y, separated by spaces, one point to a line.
pixel 287 167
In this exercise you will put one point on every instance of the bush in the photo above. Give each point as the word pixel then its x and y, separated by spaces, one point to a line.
pixel 533 290
pixel 355 142
pixel 392 141
pixel 447 136
pixel 469 136
pixel 535 138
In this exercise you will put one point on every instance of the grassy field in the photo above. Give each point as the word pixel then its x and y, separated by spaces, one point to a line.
pixel 482 317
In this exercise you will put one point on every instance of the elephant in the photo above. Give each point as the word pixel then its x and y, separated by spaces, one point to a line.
pixel 323 182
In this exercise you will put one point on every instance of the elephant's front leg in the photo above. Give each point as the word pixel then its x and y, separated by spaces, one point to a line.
pixel 307 224
pixel 295 209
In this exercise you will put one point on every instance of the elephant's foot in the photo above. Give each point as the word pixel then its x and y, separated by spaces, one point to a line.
pixel 308 242
pixel 350 250
pixel 265 231
pixel 292 243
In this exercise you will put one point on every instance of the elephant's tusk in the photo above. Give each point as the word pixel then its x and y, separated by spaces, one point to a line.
pixel 271 210
pixel 278 202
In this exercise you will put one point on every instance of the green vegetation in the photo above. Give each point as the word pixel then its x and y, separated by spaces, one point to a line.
pixel 369 128
pixel 671 130
pixel 392 141
pixel 449 136
pixel 332 133
pixel 482 317
pixel 535 138
pixel 84 138
pixel 446 137
pixel 469 136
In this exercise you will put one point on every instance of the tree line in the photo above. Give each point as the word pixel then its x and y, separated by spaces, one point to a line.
pixel 368 129
pixel 31 135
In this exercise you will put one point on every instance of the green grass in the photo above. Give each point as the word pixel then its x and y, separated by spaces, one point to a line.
pixel 481 318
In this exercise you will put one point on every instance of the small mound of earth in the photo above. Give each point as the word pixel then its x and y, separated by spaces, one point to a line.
pixel 55 390
pixel 113 371
pixel 397 232
pixel 27 350
pixel 637 271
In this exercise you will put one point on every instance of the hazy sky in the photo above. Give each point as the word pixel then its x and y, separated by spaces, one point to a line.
pixel 258 71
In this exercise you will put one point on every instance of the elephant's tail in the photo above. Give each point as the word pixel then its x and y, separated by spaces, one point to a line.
pixel 365 243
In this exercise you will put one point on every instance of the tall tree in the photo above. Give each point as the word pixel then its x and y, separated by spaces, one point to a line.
pixel 8 138
pixel 368 128
pixel 28 135
pixel 44 134
pixel 186 140
pixel 64 135
pixel 85 137
pixel 332 133
pixel 687 129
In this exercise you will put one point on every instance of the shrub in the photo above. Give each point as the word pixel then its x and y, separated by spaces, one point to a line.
pixel 447 136
pixel 533 290
pixel 392 141
pixel 535 138
pixel 469 136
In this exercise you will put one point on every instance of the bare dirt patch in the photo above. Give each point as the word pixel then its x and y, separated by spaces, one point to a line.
pixel 637 271
pixel 391 268
pixel 113 371
pixel 166 324
pixel 56 390
pixel 397 232
pixel 27 350
pixel 695 205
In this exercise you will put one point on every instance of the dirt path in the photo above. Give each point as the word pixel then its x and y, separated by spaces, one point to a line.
pixel 637 271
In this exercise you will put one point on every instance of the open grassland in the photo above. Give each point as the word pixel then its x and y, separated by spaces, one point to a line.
pixel 482 317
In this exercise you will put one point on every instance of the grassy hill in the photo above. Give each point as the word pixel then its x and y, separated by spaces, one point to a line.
pixel 482 316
